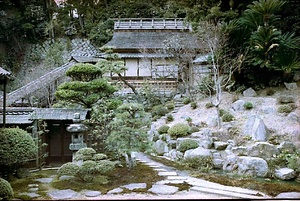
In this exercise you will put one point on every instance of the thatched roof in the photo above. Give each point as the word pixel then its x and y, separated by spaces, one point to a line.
pixel 136 41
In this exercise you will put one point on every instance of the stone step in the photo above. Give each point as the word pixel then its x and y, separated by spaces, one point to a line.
pixel 225 193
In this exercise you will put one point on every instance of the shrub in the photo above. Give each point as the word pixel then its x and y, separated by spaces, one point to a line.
pixel 194 105
pixel 17 146
pixel 227 117
pixel 170 105
pixel 6 191
pixel 85 154
pixel 87 170
pixel 170 118
pixel 187 144
pixel 98 157
pixel 285 109
pixel 201 163
pixel 193 129
pixel 222 112
pixel 69 169
pixel 248 105
pixel 179 130
pixel 105 166
pixel 186 100
pixel 209 105
pixel 163 129
pixel 159 111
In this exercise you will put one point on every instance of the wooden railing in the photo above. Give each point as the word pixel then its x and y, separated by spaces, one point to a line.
pixel 150 23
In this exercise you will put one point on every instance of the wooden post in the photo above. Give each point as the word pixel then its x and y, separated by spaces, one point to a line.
pixel 4 102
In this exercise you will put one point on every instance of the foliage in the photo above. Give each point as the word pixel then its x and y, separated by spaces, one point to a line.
pixel 285 99
pixel 179 130
pixel 6 191
pixel 86 88
pixel 248 105
pixel 93 164
pixel 159 110
pixel 170 105
pixel 194 105
pixel 227 117
pixel 285 108
pixel 194 129
pixel 17 146
pixel 163 129
pixel 187 144
pixel 202 163
pixel 186 100
pixel 170 118
pixel 129 129
pixel 209 105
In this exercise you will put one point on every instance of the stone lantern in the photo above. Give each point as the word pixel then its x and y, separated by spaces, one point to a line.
pixel 77 130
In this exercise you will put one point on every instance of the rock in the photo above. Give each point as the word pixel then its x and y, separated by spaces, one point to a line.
pixel 61 194
pixel 285 99
pixel 293 116
pixel 240 150
pixel 92 193
pixel 289 195
pixel 249 93
pixel 212 121
pixel 285 173
pixel 198 152
pixel 218 163
pixel 252 166
pixel 230 163
pixel 238 105
pixel 297 78
pixel 161 189
pixel 174 155
pixel 256 128
pixel 220 145
pixel 133 186
pixel 287 146
pixel 44 180
pixel 291 86
pixel 161 147
pixel 115 191
pixel 263 150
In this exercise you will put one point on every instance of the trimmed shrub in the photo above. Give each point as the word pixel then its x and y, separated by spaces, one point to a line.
pixel 194 105
pixel 186 100
pixel 285 109
pixel 85 154
pixel 87 170
pixel 98 157
pixel 179 130
pixel 17 146
pixel 201 163
pixel 209 105
pixel 159 111
pixel 227 117
pixel 6 191
pixel 170 118
pixel 163 129
pixel 248 105
pixel 69 169
pixel 170 105
pixel 193 129
pixel 105 166
pixel 187 144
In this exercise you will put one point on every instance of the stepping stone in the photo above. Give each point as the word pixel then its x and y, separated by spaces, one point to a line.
pixel 33 189
pixel 92 193
pixel 115 191
pixel 161 189
pixel 45 180
pixel 160 169
pixel 167 173
pixel 33 185
pixel 62 194
pixel 31 195
pixel 135 186
pixel 176 178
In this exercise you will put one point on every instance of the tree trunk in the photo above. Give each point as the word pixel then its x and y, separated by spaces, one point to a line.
pixel 128 84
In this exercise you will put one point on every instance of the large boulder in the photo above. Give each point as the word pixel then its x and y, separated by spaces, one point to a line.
pixel 198 152
pixel 256 128
pixel 161 147
pixel 238 105
pixel 252 166
pixel 230 163
pixel 263 150
pixel 249 92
